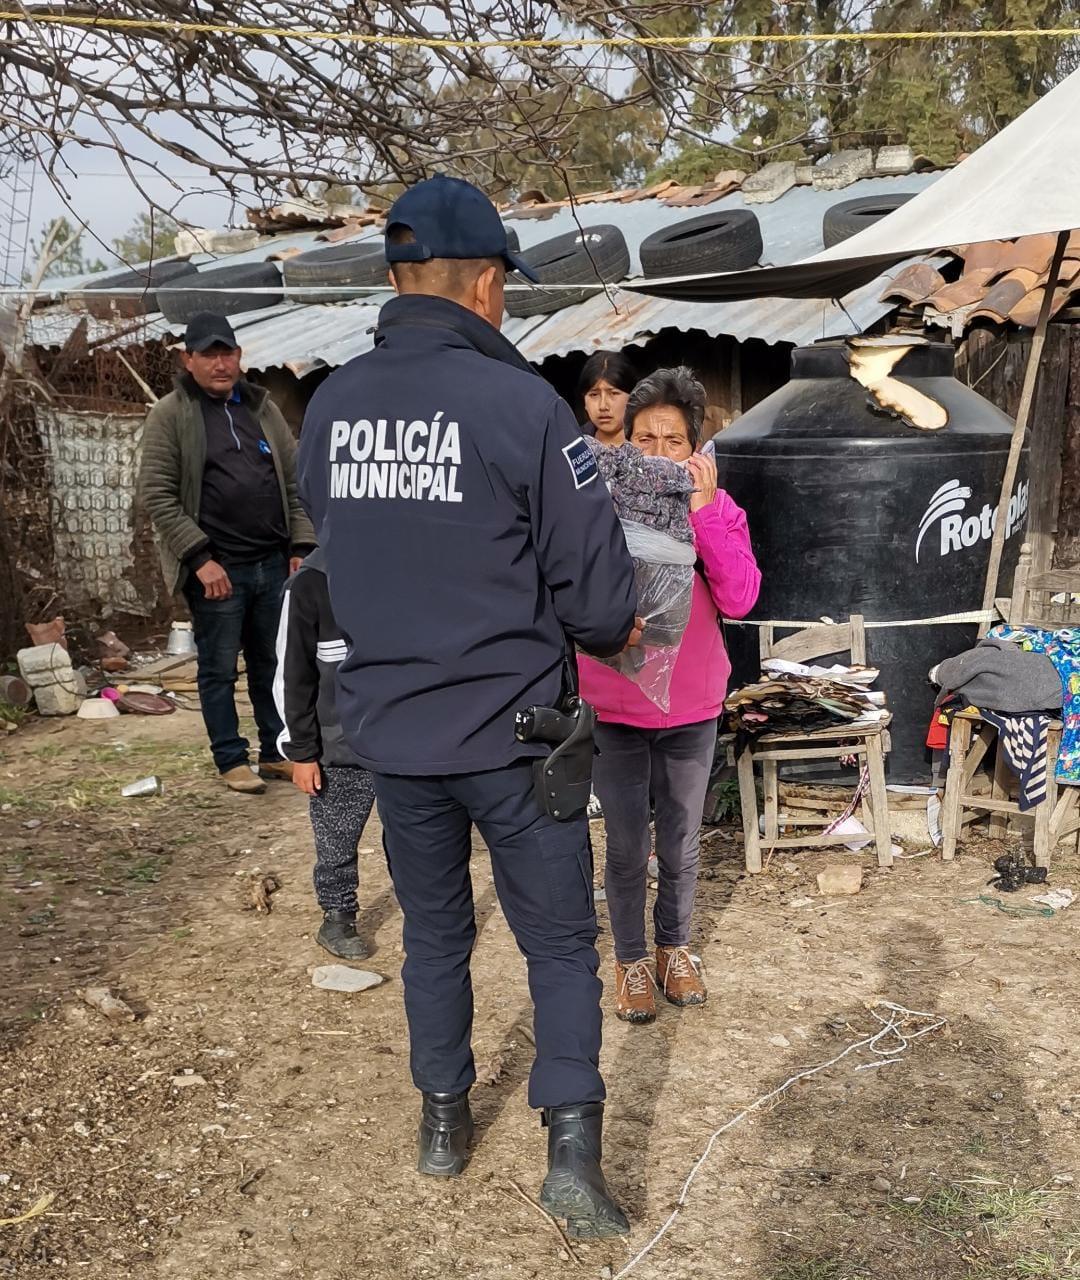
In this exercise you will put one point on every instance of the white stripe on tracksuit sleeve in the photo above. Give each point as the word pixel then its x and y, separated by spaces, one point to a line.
pixel 279 674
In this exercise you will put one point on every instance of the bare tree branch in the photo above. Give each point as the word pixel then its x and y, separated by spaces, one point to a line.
pixel 261 114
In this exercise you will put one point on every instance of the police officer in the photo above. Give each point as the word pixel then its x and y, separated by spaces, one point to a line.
pixel 467 535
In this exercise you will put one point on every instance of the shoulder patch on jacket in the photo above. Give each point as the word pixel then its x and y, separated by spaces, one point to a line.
pixel 582 464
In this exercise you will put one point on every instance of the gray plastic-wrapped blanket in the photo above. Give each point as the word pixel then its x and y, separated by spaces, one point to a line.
pixel 652 499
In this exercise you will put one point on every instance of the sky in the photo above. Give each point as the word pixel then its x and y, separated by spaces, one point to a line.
pixel 104 197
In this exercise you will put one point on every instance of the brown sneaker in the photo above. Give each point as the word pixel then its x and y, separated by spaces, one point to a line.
pixel 276 770
pixel 678 978
pixel 240 778
pixel 634 992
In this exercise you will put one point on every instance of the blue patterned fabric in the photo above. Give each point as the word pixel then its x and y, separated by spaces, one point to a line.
pixel 1063 650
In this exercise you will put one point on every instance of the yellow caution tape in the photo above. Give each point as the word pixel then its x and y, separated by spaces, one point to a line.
pixel 540 42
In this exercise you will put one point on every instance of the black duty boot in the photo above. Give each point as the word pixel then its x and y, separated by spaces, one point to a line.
pixel 446 1129
pixel 574 1188
pixel 338 936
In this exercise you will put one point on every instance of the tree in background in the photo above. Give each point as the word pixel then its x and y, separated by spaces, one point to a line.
pixel 943 97
pixel 266 114
pixel 71 261
pixel 595 146
pixel 263 114
pixel 149 237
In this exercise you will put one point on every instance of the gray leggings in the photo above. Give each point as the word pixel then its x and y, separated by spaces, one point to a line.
pixel 675 765
pixel 338 815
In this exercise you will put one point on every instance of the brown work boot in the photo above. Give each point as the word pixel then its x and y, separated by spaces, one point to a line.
pixel 678 978
pixel 634 992
pixel 241 778
pixel 276 770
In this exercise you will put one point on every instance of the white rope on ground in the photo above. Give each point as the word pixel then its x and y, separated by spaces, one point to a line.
pixel 890 1032
pixel 973 615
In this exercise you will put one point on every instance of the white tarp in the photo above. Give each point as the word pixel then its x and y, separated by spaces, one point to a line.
pixel 1025 181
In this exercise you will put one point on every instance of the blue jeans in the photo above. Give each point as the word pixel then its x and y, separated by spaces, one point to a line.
pixel 247 622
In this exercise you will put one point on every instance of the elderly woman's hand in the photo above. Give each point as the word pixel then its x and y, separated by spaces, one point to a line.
pixel 703 469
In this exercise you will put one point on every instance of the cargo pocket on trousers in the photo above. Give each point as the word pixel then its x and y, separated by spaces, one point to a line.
pixel 564 851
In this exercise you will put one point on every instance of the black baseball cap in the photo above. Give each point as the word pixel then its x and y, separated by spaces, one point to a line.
pixel 450 218
pixel 207 330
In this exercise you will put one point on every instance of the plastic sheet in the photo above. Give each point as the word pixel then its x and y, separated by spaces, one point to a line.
pixel 664 577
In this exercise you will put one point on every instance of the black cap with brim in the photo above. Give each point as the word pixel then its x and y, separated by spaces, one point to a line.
pixel 450 218
pixel 514 263
pixel 207 330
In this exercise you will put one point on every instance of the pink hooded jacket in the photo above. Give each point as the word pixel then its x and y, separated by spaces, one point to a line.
pixel 700 679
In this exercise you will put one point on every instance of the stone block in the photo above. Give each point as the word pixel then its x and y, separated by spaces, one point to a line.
pixel 840 879
pixel 842 169
pixel 769 183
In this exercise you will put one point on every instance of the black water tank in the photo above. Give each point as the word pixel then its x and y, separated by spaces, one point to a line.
pixel 853 511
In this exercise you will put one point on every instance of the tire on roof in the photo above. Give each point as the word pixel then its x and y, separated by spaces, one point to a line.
pixel 180 301
pixel 357 264
pixel 575 258
pixel 140 296
pixel 849 217
pixel 726 240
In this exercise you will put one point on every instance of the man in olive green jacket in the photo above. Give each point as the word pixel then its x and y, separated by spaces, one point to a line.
pixel 218 480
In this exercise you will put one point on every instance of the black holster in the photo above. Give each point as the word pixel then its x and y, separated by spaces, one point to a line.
pixel 563 778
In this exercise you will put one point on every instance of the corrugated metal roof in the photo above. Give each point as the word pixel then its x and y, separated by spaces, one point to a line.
pixel 593 325
pixel 304 337
pixel 53 327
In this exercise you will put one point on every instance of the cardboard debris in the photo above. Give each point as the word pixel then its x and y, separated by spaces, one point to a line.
pixel 47 632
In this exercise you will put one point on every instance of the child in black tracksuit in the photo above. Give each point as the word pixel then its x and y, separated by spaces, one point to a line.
pixel 310 646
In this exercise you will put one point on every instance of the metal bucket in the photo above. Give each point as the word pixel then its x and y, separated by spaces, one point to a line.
pixel 15 692
pixel 181 640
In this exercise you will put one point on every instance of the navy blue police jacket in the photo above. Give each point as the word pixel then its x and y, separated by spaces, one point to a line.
pixel 467 535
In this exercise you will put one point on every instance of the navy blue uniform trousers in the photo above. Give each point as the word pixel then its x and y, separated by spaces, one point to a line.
pixel 543 877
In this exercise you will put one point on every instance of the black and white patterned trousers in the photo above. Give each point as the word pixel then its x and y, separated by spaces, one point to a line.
pixel 338 815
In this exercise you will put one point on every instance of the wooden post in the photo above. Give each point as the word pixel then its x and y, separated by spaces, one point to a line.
pixel 1047 448
pixel 1023 416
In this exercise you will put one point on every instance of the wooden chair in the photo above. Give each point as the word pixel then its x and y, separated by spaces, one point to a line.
pixel 1049 600
pixel 1038 600
pixel 1054 818
pixel 869 744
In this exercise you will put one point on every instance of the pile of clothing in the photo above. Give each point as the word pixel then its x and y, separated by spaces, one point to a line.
pixel 654 492
pixel 652 500
pixel 795 699
pixel 1017 679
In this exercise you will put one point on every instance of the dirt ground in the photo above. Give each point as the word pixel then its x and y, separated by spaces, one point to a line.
pixel 288 1152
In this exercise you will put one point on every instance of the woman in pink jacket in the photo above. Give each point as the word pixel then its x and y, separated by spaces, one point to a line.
pixel 644 751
